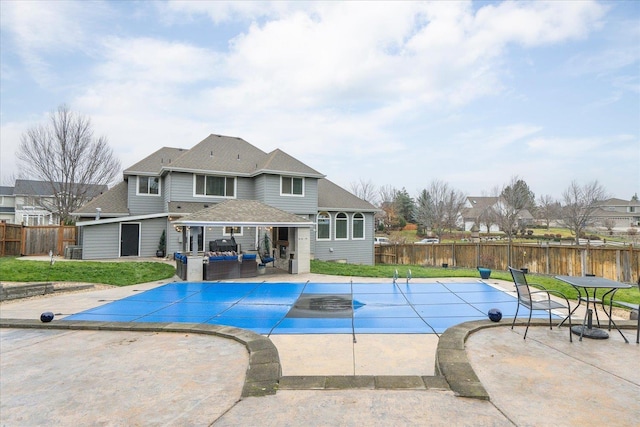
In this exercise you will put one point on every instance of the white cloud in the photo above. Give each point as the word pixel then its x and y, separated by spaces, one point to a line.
pixel 225 11
pixel 156 61
pixel 40 29
pixel 391 86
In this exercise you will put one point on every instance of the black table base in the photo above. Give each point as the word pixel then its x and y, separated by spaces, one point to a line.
pixel 587 332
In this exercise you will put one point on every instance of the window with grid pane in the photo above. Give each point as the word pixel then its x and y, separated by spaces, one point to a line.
pixel 358 226
pixel 324 226
pixel 148 185
pixel 342 226
pixel 292 186
pixel 210 185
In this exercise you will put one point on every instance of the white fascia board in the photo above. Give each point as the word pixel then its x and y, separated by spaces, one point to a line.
pixel 287 173
pixel 242 224
pixel 204 171
pixel 121 219
pixel 349 209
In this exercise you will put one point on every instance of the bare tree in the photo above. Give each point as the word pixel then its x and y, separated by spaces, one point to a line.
pixel 513 198
pixel 387 197
pixel 439 206
pixel 609 224
pixel 548 209
pixel 579 205
pixel 65 154
pixel 365 190
pixel 454 203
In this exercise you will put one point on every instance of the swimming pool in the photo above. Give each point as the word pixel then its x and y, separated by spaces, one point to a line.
pixel 312 308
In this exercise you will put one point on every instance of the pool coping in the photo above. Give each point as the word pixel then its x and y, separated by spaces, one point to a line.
pixel 264 373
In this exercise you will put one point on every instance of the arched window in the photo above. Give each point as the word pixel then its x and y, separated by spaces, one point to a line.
pixel 323 227
pixel 342 226
pixel 358 226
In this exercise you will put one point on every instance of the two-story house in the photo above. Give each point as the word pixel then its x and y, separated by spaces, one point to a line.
pixel 479 212
pixel 618 214
pixel 175 189
pixel 32 202
pixel 7 204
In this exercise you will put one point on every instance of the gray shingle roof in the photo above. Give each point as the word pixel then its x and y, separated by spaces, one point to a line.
pixel 221 154
pixel 278 161
pixel 183 208
pixel 6 191
pixel 235 156
pixel 26 187
pixel 620 202
pixel 153 163
pixel 242 212
pixel 333 197
pixel 111 203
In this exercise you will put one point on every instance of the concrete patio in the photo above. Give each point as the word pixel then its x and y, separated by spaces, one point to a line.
pixel 171 374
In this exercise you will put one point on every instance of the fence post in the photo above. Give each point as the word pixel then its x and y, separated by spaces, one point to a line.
pixel 59 238
pixel 4 237
pixel 547 260
pixel 23 246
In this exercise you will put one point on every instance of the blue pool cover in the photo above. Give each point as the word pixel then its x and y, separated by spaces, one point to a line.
pixel 300 308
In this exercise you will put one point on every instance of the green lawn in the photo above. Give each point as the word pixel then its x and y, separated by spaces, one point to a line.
pixel 387 271
pixel 131 273
pixel 107 273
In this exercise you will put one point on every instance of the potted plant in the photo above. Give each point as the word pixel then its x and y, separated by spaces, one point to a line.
pixel 162 245
pixel 485 273
pixel 483 269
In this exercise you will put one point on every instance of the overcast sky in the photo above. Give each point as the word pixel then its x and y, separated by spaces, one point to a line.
pixel 397 94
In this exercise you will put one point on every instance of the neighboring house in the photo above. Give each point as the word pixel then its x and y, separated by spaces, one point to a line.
pixel 175 189
pixel 478 211
pixel 618 213
pixel 7 204
pixel 32 202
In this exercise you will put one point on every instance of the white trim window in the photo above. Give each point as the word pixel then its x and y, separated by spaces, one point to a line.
pixel 211 185
pixel 357 227
pixel 148 186
pixel 342 226
pixel 323 226
pixel 291 186
pixel 232 231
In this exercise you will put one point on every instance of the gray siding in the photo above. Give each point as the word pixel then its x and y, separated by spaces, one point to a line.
pixel 166 191
pixel 143 204
pixel 101 241
pixel 270 191
pixel 174 240
pixel 150 231
pixel 182 189
pixel 245 188
pixel 351 251
pixel 247 241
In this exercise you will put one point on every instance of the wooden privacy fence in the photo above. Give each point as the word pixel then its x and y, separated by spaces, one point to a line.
pixel 18 240
pixel 619 263
pixel 10 239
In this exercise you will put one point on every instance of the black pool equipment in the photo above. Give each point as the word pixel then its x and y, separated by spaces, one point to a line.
pixel 46 317
pixel 495 314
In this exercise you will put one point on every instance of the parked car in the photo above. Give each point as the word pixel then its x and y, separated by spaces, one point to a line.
pixel 381 241
pixel 429 241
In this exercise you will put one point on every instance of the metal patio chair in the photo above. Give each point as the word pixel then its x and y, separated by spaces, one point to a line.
pixel 632 307
pixel 546 304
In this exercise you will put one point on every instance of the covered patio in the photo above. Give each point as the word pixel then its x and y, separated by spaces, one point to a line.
pixel 282 237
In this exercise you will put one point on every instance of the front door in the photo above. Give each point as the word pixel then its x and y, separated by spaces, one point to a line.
pixel 129 239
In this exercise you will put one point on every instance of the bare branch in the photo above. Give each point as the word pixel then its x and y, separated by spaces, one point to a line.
pixel 580 204
pixel 365 190
pixel 65 154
